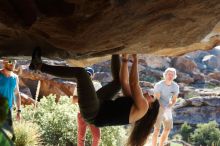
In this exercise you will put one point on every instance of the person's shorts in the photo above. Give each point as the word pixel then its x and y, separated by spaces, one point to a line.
pixel 162 118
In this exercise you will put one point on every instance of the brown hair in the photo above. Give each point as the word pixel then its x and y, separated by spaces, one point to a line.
pixel 142 128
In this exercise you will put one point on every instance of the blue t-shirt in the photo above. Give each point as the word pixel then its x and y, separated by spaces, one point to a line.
pixel 166 92
pixel 7 87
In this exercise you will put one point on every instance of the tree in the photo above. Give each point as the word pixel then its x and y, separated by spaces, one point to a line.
pixel 206 134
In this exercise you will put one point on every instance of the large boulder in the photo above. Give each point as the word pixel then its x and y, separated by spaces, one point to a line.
pixel 80 29
pixel 215 51
pixel 198 110
pixel 57 88
pixel 199 78
pixel 156 62
pixel 184 78
pixel 197 56
pixel 40 85
pixel 105 77
pixel 214 75
pixel 185 64
pixel 151 75
pixel 212 62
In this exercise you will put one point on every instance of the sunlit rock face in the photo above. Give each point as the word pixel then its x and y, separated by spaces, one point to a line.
pixel 82 29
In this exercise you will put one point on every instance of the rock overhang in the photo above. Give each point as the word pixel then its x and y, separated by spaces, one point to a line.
pixel 86 30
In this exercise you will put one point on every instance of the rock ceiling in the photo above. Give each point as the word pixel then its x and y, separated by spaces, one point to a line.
pixel 84 29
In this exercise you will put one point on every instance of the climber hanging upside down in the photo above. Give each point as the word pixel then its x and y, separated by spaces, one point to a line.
pixel 98 108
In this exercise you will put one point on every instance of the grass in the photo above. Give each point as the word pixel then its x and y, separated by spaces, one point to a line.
pixel 27 134
pixel 176 144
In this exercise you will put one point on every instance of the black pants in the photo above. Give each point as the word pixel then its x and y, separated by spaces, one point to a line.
pixel 89 100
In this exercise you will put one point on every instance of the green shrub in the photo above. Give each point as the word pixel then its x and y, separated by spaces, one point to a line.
pixel 179 100
pixel 186 131
pixel 27 134
pixel 206 134
pixel 177 137
pixel 113 136
pixel 192 94
pixel 110 136
pixel 210 86
pixel 58 123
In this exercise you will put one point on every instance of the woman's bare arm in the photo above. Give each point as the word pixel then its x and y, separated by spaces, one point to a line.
pixel 140 106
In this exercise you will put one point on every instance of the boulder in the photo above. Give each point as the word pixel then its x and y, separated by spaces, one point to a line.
pixel 215 51
pixel 198 110
pixel 185 64
pixel 208 92
pixel 212 82
pixel 151 75
pixel 212 62
pixel 184 78
pixel 214 75
pixel 145 84
pixel 82 30
pixel 104 77
pixel 57 88
pixel 199 78
pixel 156 62
pixel 47 84
pixel 197 55
pixel 27 100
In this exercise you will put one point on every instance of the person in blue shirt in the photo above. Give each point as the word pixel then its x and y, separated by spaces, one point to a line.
pixel 8 89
